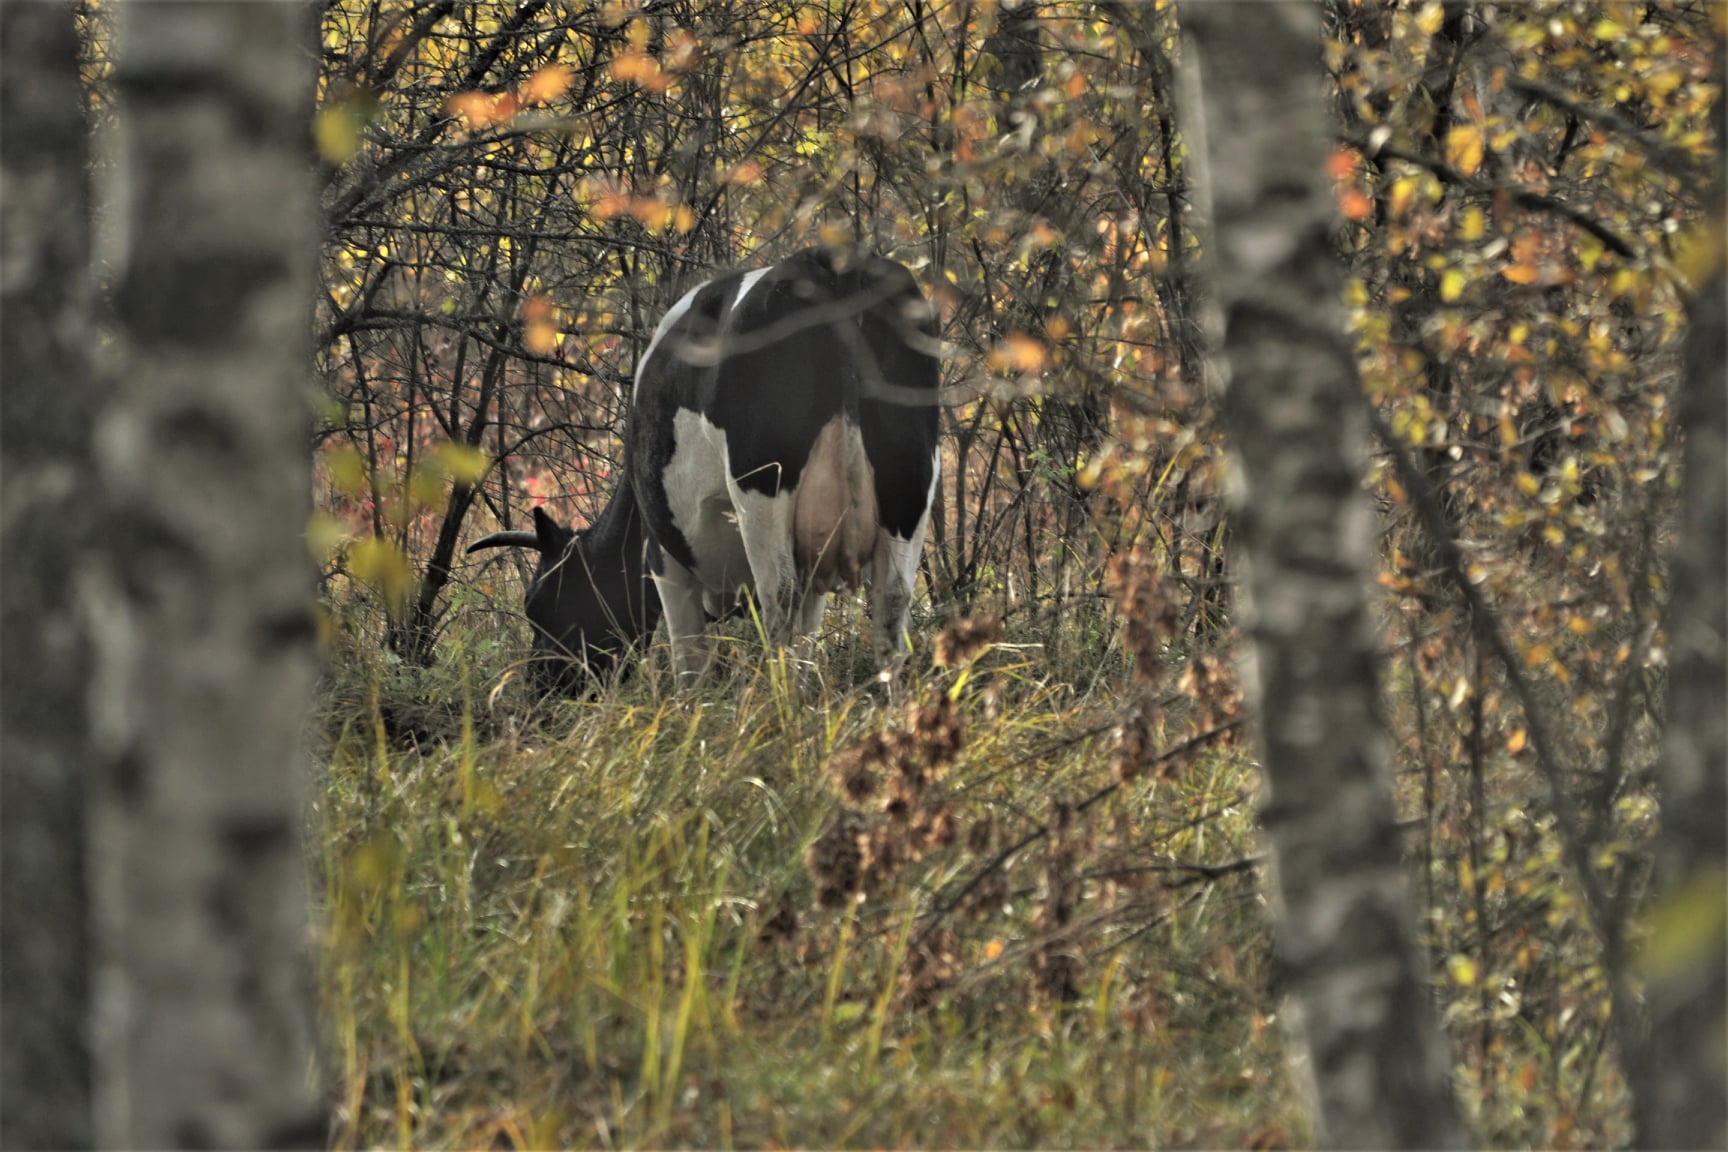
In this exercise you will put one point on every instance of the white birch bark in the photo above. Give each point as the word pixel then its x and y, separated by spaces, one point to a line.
pixel 202 609
pixel 46 406
pixel 1689 982
pixel 1295 414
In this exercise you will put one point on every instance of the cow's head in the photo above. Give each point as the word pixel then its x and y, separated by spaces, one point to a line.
pixel 590 599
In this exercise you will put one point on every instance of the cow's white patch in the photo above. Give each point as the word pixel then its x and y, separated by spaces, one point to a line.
pixel 676 313
pixel 750 280
pixel 673 315
pixel 766 524
pixel 681 594
pixel 702 508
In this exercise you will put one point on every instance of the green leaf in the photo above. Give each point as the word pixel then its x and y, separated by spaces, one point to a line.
pixel 1686 925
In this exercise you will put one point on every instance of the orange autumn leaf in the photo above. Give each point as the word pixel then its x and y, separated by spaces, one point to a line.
pixel 1018 352
pixel 483 109
pixel 539 329
pixel 540 338
pixel 1521 274
pixel 640 69
pixel 547 84
pixel 747 173
pixel 1341 164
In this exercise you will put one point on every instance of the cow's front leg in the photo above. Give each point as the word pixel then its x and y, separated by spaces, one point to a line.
pixel 681 597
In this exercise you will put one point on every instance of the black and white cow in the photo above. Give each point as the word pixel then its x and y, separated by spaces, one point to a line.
pixel 781 440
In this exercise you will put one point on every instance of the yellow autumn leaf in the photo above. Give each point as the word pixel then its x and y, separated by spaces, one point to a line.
pixel 347 471
pixel 1515 742
pixel 324 535
pixel 384 568
pixel 1402 194
pixel 426 485
pixel 1464 148
pixel 462 462
pixel 1686 925
pixel 1698 251
pixel 1462 969
pixel 1451 285
pixel 1475 225
pixel 337 132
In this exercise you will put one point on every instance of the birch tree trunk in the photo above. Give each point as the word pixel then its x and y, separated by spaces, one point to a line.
pixel 203 626
pixel 1295 414
pixel 46 408
pixel 1689 980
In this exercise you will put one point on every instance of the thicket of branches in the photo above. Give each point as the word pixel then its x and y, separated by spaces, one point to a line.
pixel 522 194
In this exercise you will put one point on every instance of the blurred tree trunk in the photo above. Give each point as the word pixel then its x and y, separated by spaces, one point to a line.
pixel 1295 413
pixel 1689 968
pixel 46 410
pixel 201 596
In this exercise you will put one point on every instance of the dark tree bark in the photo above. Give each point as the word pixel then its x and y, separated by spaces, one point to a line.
pixel 46 410
pixel 1297 421
pixel 202 594
pixel 1689 991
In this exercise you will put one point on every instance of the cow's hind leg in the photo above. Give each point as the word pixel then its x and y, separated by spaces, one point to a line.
pixel 893 570
pixel 766 523
pixel 681 597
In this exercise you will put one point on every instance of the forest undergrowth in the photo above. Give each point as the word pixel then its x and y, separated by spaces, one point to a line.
pixel 1010 901
pixel 793 908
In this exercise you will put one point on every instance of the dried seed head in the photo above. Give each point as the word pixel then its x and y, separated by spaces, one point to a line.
pixel 884 853
pixel 987 896
pixel 854 771
pixel 902 799
pixel 965 639
pixel 936 729
pixel 1149 615
pixel 1211 681
pixel 835 859
pixel 783 924
pixel 981 837
pixel 929 968
pixel 1056 974
pixel 932 829
pixel 1135 748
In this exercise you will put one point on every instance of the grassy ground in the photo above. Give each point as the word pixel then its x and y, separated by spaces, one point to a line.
pixel 791 911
